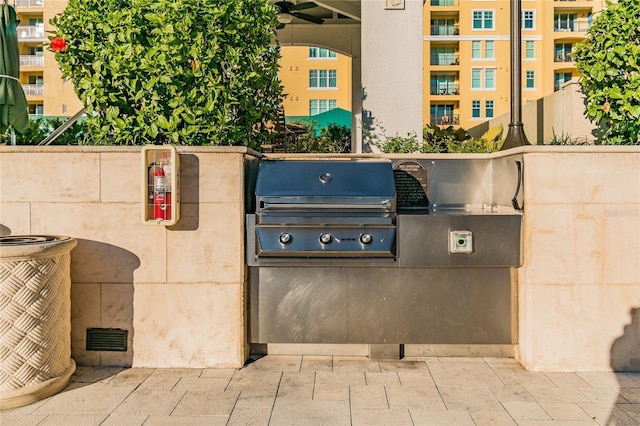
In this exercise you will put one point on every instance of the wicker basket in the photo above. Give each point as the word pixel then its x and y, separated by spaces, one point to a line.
pixel 35 318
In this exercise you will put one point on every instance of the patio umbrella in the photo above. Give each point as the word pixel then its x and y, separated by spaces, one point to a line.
pixel 13 104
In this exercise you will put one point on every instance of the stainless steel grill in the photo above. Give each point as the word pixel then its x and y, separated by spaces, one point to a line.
pixel 323 209
pixel 406 251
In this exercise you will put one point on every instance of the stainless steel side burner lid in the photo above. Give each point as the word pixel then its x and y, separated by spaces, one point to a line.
pixel 325 208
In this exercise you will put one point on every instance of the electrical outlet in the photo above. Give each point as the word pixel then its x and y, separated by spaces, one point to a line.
pixel 460 242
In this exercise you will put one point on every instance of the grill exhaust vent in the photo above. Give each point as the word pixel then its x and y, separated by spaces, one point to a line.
pixel 106 339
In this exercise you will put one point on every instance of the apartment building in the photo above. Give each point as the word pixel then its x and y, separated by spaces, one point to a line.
pixel 467 54
pixel 47 93
pixel 315 80
pixel 466 60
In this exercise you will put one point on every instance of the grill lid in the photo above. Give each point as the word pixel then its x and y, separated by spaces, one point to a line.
pixel 325 182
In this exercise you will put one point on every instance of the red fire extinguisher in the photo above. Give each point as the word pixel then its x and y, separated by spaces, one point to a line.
pixel 161 195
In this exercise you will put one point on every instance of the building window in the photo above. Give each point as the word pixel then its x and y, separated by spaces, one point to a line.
pixel 36 109
pixel 35 51
pixel 559 79
pixel 530 80
pixel 322 78
pixel 317 106
pixel 475 49
pixel 320 52
pixel 489 50
pixel 488 109
pixel 563 52
pixel 443 56
pixel 528 19
pixel 443 115
pixel 476 78
pixel 36 79
pixel 529 49
pixel 483 19
pixel 490 78
pixel 564 21
pixel 475 109
pixel 443 27
pixel 444 84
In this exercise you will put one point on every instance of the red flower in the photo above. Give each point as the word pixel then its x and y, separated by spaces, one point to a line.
pixel 58 44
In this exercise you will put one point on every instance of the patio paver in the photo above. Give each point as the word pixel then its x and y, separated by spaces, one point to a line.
pixel 325 390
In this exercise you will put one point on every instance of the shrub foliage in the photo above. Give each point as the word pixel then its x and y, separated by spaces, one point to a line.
pixel 190 72
pixel 609 60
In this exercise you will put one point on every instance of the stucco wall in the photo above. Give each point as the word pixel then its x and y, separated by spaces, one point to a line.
pixel 560 113
pixel 179 291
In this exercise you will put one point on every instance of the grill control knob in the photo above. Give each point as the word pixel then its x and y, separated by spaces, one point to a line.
pixel 285 238
pixel 325 238
pixel 366 239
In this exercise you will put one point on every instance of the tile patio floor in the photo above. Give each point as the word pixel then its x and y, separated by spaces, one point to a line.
pixel 325 390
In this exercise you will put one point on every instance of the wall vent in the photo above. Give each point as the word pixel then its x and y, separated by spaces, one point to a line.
pixel 106 339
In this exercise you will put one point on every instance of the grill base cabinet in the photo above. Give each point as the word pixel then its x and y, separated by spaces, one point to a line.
pixel 385 305
pixel 428 289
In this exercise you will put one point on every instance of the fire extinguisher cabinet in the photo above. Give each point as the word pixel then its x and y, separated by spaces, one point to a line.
pixel 160 185
pixel 35 317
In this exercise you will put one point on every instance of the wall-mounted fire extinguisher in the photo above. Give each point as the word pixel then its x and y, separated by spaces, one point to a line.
pixel 161 195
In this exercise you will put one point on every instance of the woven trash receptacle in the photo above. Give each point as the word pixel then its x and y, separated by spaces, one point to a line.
pixel 35 317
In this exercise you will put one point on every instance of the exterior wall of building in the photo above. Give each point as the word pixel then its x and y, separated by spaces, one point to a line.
pixel 392 63
pixel 47 93
pixel 550 31
pixel 448 27
pixel 295 66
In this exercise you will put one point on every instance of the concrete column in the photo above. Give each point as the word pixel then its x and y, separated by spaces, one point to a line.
pixel 392 62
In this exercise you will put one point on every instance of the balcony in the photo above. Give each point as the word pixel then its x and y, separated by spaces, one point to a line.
pixel 445 119
pixel 445 30
pixel 445 89
pixel 27 33
pixel 31 61
pixel 572 26
pixel 444 2
pixel 33 89
pixel 573 4
pixel 563 57
pixel 445 59
pixel 29 3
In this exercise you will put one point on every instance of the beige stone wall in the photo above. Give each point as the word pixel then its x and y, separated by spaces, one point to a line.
pixel 179 291
pixel 581 274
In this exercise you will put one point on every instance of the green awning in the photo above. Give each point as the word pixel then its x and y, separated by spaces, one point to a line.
pixel 338 116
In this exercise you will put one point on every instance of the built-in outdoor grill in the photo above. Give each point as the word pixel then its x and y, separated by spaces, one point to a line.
pixel 342 209
pixel 383 252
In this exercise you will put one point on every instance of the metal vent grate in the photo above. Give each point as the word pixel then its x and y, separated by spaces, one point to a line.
pixel 106 339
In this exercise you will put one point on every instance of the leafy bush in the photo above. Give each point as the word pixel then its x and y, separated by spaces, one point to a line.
pixel 181 71
pixel 439 140
pixel 609 61
pixel 443 139
pixel 40 128
pixel 391 144
pixel 332 139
